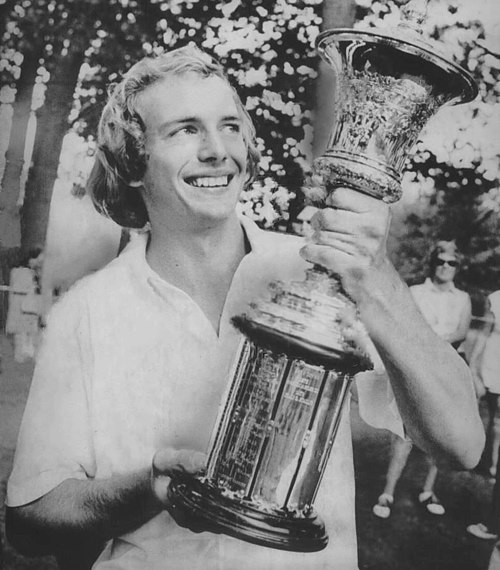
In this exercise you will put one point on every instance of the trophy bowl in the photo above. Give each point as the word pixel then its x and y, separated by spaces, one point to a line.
pixel 387 88
pixel 292 374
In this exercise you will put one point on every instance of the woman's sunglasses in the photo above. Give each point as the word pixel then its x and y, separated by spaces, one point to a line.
pixel 451 263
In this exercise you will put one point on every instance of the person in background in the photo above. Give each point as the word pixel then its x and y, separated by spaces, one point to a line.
pixel 24 306
pixel 136 357
pixel 485 366
pixel 448 312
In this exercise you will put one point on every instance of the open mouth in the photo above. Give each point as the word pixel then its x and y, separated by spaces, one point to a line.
pixel 209 181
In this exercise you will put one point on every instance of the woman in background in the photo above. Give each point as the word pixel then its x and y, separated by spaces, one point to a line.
pixel 23 312
pixel 447 309
pixel 485 366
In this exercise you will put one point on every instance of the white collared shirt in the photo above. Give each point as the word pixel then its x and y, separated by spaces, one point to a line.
pixel 130 364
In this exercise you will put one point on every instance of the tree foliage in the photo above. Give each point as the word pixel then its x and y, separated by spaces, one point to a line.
pixel 268 50
pixel 453 174
pixel 456 203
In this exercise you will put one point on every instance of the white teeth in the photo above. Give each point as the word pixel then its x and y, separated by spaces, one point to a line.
pixel 210 181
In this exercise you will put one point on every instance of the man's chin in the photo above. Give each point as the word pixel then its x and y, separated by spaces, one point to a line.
pixel 216 213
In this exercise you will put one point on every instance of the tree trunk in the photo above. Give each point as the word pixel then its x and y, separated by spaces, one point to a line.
pixel 52 125
pixel 5 10
pixel 336 14
pixel 10 227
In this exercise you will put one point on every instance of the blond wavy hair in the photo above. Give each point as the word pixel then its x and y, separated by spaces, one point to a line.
pixel 120 156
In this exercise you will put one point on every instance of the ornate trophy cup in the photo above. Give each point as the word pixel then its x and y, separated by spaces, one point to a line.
pixel 293 372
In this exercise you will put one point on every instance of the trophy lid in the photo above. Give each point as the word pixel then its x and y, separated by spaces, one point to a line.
pixel 407 37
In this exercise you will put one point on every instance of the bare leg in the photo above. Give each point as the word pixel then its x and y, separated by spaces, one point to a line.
pixel 491 528
pixel 427 496
pixel 495 558
pixel 493 430
pixel 495 443
pixel 431 476
pixel 400 451
pixel 493 522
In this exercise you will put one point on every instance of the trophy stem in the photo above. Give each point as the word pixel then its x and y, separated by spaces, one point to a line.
pixel 311 319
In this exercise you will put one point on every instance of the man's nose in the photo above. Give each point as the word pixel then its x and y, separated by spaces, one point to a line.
pixel 212 147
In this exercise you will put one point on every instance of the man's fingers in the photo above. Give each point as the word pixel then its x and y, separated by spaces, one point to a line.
pixel 168 463
pixel 333 258
pixel 370 223
pixel 341 221
pixel 340 237
pixel 354 201
pixel 178 461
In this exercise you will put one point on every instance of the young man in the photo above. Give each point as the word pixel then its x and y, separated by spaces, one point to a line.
pixel 136 357
pixel 448 312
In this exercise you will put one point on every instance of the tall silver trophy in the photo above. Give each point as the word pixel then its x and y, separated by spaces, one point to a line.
pixel 294 370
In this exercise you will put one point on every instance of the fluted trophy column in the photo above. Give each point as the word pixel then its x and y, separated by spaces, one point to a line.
pixel 292 375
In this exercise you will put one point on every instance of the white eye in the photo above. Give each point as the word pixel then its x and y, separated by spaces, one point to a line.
pixel 233 128
pixel 184 130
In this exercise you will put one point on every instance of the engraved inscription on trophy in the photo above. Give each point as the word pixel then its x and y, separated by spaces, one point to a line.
pixel 247 433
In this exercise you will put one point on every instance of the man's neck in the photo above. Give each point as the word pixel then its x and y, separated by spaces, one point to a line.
pixel 183 256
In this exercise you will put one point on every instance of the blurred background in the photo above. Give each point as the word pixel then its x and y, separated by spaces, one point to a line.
pixel 57 59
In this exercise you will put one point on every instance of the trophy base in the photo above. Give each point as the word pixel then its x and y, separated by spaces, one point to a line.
pixel 212 511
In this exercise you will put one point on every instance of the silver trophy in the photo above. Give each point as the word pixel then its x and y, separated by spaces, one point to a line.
pixel 295 367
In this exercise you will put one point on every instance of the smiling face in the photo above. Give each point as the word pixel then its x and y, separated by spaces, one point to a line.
pixel 445 268
pixel 196 156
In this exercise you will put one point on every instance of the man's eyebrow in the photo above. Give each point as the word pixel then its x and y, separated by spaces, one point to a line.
pixel 232 118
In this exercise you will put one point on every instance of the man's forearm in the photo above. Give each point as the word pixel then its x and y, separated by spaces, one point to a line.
pixel 82 511
pixel 431 382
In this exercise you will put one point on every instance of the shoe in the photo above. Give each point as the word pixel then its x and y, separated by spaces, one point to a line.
pixel 480 530
pixel 493 474
pixel 382 509
pixel 429 500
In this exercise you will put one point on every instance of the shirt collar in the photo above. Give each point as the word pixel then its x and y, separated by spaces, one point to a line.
pixel 256 236
pixel 450 287
pixel 137 249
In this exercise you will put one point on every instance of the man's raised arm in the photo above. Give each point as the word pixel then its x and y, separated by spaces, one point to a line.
pixel 431 383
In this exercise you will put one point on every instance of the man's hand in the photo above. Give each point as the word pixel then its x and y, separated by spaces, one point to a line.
pixel 350 238
pixel 79 513
pixel 171 463
pixel 168 463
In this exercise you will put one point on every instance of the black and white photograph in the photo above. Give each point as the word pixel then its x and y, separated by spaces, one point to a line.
pixel 249 285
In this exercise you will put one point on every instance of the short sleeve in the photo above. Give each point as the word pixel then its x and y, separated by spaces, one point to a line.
pixel 55 438
pixel 376 400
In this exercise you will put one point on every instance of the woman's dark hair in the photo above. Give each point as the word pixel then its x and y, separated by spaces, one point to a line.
pixel 443 247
